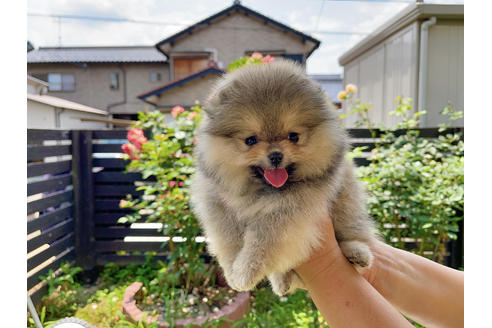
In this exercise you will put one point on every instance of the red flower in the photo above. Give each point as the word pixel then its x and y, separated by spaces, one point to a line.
pixel 181 184
pixel 130 150
pixel 176 111
pixel 256 55
pixel 267 59
pixel 134 134
pixel 139 142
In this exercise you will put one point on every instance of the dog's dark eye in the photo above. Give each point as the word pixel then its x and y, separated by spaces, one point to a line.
pixel 294 137
pixel 250 141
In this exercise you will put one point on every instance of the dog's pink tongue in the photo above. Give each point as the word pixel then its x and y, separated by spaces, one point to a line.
pixel 276 177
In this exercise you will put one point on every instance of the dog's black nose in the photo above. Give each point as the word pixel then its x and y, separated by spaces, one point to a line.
pixel 275 158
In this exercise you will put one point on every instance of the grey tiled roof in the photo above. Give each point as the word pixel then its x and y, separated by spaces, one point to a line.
pixel 95 55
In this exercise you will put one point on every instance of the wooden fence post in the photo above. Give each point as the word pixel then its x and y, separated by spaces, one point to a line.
pixel 83 198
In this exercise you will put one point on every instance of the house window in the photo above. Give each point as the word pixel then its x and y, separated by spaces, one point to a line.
pixel 155 77
pixel 61 82
pixel 114 81
pixel 295 57
pixel 187 66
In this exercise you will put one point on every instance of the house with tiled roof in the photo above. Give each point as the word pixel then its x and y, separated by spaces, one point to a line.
pixel 177 71
pixel 109 78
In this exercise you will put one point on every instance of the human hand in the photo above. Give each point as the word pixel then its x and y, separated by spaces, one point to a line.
pixel 324 258
pixel 343 297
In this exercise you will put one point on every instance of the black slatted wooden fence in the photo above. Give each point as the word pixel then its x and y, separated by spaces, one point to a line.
pixel 50 206
pixel 75 209
pixel 113 240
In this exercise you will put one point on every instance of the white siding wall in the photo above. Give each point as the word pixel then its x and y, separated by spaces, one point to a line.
pixel 385 72
pixel 351 75
pixel 42 116
pixel 445 70
pixel 371 76
pixel 401 69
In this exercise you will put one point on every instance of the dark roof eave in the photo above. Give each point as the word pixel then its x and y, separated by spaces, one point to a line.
pixel 171 85
pixel 315 47
pixel 246 10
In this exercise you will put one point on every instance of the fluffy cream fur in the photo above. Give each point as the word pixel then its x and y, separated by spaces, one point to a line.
pixel 254 229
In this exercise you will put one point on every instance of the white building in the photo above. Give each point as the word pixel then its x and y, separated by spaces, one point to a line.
pixel 331 84
pixel 418 53
pixel 47 112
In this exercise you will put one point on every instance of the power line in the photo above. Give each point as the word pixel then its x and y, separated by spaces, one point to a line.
pixel 336 32
pixel 319 15
pixel 106 19
pixel 135 21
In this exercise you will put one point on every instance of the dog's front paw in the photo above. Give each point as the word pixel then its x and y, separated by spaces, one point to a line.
pixel 244 276
pixel 281 282
pixel 358 253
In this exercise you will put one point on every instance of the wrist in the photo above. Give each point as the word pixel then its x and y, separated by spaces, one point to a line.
pixel 320 266
pixel 385 269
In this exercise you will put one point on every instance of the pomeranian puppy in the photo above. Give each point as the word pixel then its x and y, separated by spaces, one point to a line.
pixel 271 167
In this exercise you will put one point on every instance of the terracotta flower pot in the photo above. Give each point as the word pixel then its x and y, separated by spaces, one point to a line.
pixel 233 311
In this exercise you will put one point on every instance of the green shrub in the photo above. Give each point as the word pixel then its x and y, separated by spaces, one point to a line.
pixel 415 185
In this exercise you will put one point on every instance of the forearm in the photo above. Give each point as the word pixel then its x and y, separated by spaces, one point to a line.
pixel 344 298
pixel 425 291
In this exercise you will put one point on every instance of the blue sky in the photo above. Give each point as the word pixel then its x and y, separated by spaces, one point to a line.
pixel 314 17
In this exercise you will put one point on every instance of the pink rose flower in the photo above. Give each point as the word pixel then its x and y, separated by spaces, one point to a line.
pixel 139 142
pixel 256 55
pixel 172 183
pixel 176 111
pixel 267 59
pixel 131 151
pixel 134 134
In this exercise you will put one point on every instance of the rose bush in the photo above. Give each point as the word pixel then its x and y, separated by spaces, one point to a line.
pixel 255 58
pixel 167 159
